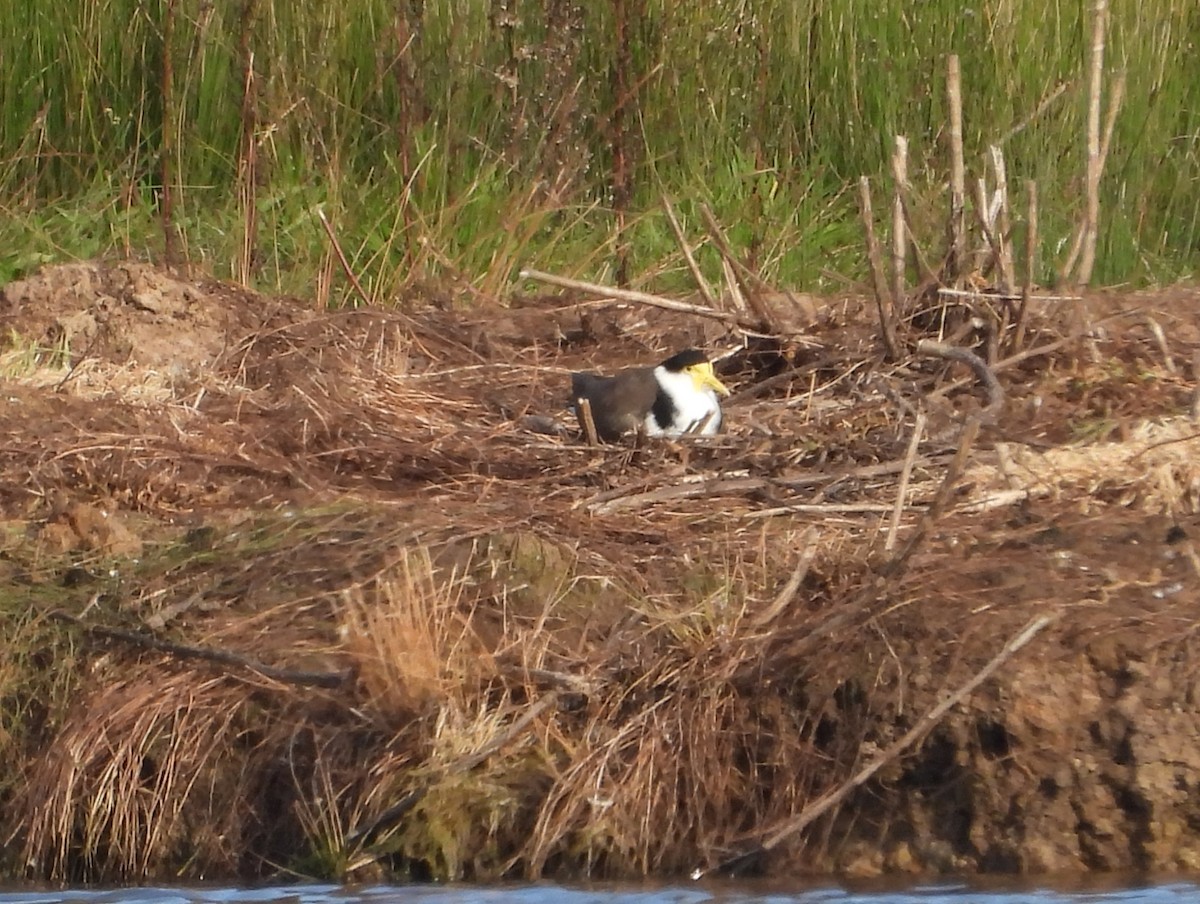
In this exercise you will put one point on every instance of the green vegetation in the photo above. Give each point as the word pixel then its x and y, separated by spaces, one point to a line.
pixel 457 141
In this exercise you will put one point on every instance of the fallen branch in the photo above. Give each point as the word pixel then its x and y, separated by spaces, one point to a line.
pixel 220 657
pixel 680 491
pixel 631 295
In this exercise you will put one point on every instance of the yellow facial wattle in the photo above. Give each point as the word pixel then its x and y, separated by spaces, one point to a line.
pixel 704 378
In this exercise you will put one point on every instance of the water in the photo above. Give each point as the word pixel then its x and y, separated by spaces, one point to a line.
pixel 716 893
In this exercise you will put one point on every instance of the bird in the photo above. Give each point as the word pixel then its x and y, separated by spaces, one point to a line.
pixel 677 396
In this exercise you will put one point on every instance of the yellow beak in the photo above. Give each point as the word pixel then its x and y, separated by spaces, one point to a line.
pixel 704 378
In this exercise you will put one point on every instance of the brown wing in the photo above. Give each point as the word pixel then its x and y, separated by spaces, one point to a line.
pixel 619 404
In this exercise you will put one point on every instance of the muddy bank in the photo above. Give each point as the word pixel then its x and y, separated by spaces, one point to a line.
pixel 325 593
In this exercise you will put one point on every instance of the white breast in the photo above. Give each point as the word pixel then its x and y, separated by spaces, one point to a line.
pixel 692 406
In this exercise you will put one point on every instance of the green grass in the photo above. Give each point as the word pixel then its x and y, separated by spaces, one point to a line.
pixel 457 140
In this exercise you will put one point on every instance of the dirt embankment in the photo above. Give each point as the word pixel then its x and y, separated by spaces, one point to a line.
pixel 328 592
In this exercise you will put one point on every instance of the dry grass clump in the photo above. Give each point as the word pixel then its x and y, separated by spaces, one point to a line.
pixel 474 729
pixel 111 795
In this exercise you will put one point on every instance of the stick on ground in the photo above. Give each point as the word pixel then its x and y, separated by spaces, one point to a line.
pixel 905 475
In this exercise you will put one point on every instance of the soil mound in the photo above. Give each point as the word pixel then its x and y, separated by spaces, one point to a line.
pixel 352 589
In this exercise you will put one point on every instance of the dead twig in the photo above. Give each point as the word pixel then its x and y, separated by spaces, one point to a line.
pixel 882 303
pixel 784 598
pixel 941 499
pixel 1001 296
pixel 681 491
pixel 1041 108
pixel 583 410
pixel 910 456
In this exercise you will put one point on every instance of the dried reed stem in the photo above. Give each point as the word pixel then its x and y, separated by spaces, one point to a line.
pixel 247 174
pixel 879 284
pixel 751 283
pixel 1002 224
pixel 583 410
pixel 736 297
pixel 984 215
pixel 341 256
pixel 1031 248
pixel 622 77
pixel 1095 163
pixel 899 230
pixel 1000 296
pixel 958 170
pixel 637 297
pixel 167 147
pixel 785 596
pixel 1041 108
pixel 822 805
pixel 1160 338
pixel 1068 265
pixel 1110 122
pixel 910 456
pixel 701 283
pixel 894 566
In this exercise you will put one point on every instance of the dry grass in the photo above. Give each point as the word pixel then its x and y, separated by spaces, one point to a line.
pixel 542 657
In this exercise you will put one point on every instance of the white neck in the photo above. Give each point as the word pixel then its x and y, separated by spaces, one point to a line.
pixel 692 405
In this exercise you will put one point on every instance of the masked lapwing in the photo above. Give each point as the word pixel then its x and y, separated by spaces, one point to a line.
pixel 676 397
